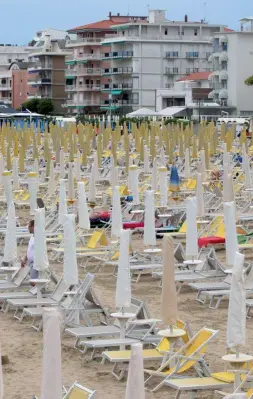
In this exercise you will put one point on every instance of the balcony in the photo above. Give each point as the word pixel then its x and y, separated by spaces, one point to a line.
pixel 112 38
pixel 83 41
pixel 171 71
pixel 81 104
pixel 40 81
pixel 82 88
pixel 70 73
pixel 188 71
pixel 117 87
pixel 32 96
pixel 5 87
pixel 6 100
pixel 88 57
pixel 191 54
pixel 172 54
pixel 117 55
pixel 39 67
pixel 89 72
pixel 118 71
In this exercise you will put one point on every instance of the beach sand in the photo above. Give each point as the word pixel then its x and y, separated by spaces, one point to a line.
pixel 23 345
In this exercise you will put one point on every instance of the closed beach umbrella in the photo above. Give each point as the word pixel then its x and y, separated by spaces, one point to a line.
pixel 149 219
pixel 92 185
pixel 83 213
pixel 169 293
pixel 231 234
pixel 71 188
pixel 62 164
pixel 154 175
pixel 134 185
pixel 15 175
pixel 146 160
pixel 116 213
pixel 1 377
pixel 7 187
pixel 33 188
pixel 70 268
pixel 51 181
pixel 40 246
pixel 191 228
pixel 78 166
pixel 114 176
pixel 51 373
pixel 200 197
pixel 10 242
pixel 63 209
pixel 163 183
pixel 187 171
pixel 236 326
pixel 123 285
pixel 135 380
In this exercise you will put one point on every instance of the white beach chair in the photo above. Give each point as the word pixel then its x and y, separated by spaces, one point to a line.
pixel 78 391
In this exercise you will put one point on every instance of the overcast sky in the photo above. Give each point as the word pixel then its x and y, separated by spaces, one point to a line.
pixel 20 19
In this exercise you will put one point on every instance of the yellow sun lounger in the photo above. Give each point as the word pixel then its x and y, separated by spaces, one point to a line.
pixel 158 353
pixel 78 391
pixel 186 358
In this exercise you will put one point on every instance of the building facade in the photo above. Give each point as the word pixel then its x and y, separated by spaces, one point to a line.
pixel 10 54
pixel 47 73
pixel 153 54
pixel 232 61
pixel 86 77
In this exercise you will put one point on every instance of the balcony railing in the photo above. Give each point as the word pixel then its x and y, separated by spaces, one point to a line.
pixel 89 71
pixel 39 67
pixel 168 38
pixel 172 54
pixel 83 103
pixel 171 71
pixel 117 86
pixel 118 71
pixel 5 87
pixel 118 54
pixel 84 40
pixel 70 72
pixel 192 54
pixel 82 88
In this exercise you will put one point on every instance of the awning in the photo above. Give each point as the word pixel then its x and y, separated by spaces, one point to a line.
pixel 108 108
pixel 116 92
pixel 171 111
pixel 70 62
pixel 82 61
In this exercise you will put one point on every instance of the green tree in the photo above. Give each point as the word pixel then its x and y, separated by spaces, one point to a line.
pixel 46 106
pixel 249 81
pixel 32 105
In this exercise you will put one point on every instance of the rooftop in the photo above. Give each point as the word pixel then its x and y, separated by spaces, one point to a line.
pixel 196 76
pixel 106 24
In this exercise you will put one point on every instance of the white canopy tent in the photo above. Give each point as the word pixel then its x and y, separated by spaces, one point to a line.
pixel 143 112
pixel 171 111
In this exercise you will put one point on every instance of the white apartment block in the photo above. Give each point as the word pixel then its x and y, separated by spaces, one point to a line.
pixel 150 55
pixel 232 62
pixel 9 54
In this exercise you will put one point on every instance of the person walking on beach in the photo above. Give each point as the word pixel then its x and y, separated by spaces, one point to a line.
pixel 29 258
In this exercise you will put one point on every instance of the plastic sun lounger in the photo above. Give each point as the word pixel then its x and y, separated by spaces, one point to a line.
pixel 78 391
pixel 195 384
pixel 212 286
pixel 16 295
pixel 106 343
pixel 18 280
pixel 189 356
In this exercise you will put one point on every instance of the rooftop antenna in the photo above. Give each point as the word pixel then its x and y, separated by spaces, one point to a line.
pixel 205 8
pixel 148 6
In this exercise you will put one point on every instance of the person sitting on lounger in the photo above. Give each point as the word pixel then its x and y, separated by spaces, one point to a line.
pixel 29 258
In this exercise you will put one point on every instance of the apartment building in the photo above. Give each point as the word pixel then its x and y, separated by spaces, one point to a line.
pixel 10 54
pixel 47 73
pixel 86 82
pixel 232 61
pixel 147 55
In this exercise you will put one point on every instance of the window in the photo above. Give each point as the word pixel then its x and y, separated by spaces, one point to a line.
pixel 175 70
pixel 195 70
pixel 195 31
pixel 182 32
pixel 166 32
pixel 172 54
pixel 192 54
pixel 135 98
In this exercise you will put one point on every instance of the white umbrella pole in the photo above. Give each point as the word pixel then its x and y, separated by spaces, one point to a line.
pixel 52 374
pixel 135 380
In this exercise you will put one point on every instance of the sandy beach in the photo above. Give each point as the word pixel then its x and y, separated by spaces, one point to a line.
pixel 23 345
